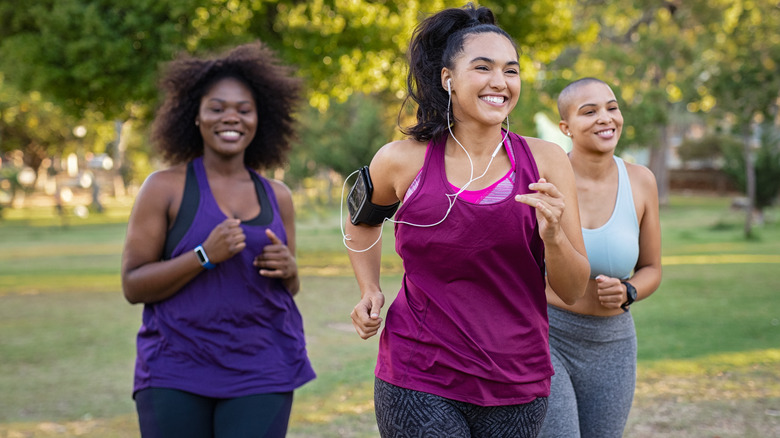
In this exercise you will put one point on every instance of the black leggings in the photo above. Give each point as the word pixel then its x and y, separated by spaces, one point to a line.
pixel 402 413
pixel 169 413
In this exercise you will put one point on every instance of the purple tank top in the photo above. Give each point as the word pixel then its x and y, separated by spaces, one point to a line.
pixel 470 320
pixel 230 332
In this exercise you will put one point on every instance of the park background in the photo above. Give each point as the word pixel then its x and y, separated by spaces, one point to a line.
pixel 698 82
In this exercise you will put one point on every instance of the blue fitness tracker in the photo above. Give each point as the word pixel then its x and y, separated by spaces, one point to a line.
pixel 203 258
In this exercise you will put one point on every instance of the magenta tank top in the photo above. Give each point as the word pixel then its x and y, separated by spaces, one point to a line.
pixel 470 320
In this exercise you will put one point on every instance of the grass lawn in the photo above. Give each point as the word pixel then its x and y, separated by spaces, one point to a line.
pixel 709 338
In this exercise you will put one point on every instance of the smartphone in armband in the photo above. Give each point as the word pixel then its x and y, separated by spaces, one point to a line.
pixel 361 209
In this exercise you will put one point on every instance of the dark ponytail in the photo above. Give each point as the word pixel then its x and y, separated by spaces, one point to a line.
pixel 436 42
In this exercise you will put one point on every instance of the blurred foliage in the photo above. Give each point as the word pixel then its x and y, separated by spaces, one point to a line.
pixel 740 60
pixel 767 166
pixel 41 129
pixel 104 54
pixel 99 55
pixel 708 147
pixel 88 61
pixel 342 139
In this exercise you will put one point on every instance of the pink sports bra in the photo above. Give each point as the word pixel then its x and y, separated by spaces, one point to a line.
pixel 495 192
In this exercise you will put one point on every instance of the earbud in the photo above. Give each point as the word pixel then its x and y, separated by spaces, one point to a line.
pixel 449 85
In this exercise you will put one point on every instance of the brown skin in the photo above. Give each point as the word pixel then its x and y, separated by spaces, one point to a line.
pixel 487 69
pixel 228 107
pixel 592 118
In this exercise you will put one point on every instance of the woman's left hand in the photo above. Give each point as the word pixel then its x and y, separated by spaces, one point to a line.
pixel 549 204
pixel 612 293
pixel 276 260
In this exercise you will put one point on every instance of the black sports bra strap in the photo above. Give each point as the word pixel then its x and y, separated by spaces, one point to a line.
pixel 189 206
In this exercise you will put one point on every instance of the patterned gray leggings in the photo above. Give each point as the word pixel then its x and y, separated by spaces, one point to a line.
pixel 404 413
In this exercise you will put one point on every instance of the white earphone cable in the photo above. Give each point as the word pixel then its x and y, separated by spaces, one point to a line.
pixel 451 197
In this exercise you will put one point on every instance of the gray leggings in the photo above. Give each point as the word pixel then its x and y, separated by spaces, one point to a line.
pixel 595 374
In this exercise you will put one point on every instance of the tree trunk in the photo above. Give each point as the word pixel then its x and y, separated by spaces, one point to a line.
pixel 658 165
pixel 120 147
pixel 750 180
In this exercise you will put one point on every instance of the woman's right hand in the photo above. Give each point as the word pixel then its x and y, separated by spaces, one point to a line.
pixel 225 240
pixel 365 315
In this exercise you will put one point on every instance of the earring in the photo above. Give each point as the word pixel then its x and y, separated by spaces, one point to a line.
pixel 569 134
pixel 197 122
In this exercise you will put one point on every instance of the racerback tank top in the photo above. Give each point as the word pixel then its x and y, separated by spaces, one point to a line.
pixel 470 320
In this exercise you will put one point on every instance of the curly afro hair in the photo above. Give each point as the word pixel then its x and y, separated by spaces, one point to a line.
pixel 187 79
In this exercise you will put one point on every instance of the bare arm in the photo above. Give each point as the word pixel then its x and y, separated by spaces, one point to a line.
pixel 145 277
pixel 277 259
pixel 557 213
pixel 647 272
pixel 392 171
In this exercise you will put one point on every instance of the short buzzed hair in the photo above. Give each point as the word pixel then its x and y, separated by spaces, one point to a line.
pixel 564 99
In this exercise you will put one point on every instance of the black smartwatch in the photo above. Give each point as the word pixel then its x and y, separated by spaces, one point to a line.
pixel 630 295
pixel 203 258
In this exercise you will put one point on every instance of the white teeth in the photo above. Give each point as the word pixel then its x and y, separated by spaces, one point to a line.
pixel 230 134
pixel 605 133
pixel 493 99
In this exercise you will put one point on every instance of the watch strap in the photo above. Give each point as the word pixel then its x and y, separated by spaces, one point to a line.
pixel 631 295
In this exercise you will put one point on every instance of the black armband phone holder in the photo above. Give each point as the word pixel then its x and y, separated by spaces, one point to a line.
pixel 361 209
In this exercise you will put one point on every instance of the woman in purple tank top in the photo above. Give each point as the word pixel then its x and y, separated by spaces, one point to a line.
pixel 210 252
pixel 485 214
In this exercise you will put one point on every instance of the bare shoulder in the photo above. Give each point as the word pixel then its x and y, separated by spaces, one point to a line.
pixel 400 154
pixel 549 156
pixel 156 206
pixel 280 189
pixel 165 183
pixel 393 169
pixel 641 176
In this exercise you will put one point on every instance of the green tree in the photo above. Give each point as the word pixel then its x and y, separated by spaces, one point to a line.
pixel 766 158
pixel 104 55
pixel 99 55
pixel 344 140
pixel 741 79
pixel 647 51
pixel 40 129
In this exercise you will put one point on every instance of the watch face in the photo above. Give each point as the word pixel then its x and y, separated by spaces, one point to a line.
pixel 201 256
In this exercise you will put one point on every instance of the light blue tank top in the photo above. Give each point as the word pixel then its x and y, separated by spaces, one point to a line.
pixel 613 248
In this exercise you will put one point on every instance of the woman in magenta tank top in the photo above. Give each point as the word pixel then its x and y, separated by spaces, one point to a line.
pixel 485 214
pixel 210 252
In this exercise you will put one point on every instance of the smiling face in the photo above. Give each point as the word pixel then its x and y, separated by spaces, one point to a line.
pixel 485 79
pixel 592 118
pixel 227 117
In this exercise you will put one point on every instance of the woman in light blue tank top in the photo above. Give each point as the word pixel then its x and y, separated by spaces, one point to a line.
pixel 593 341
